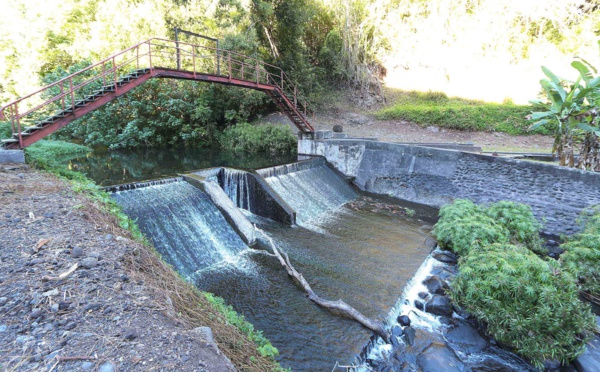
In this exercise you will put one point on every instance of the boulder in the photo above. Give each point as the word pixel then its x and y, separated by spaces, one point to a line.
pixel 445 257
pixel 444 273
pixel 403 320
pixel 437 357
pixel 590 359
pixel 466 338
pixel 435 285
pixel 439 305
pixel 338 128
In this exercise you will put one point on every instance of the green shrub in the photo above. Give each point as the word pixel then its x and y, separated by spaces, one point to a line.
pixel 520 222
pixel 48 153
pixel 463 226
pixel 582 259
pixel 258 138
pixel 435 108
pixel 5 130
pixel 527 303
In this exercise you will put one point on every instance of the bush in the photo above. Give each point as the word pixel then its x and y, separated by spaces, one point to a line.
pixel 468 233
pixel 520 222
pixel 527 303
pixel 582 259
pixel 464 225
pixel 258 138
pixel 434 108
pixel 48 154
pixel 5 130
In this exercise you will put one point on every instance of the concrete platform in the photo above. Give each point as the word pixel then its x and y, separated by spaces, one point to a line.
pixel 12 157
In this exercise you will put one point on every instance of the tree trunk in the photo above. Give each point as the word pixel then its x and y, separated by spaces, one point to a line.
pixel 338 307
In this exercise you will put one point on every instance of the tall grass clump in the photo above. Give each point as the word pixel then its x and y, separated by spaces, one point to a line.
pixel 525 301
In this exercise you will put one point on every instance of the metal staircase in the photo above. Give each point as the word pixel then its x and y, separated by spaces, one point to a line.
pixel 42 113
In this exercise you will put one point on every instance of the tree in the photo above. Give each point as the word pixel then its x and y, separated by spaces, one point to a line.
pixel 572 109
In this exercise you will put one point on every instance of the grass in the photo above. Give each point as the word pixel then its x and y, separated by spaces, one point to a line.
pixel 246 347
pixel 435 108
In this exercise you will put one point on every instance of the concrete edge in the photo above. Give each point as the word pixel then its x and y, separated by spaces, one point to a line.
pixel 291 213
pixel 12 157
pixel 232 214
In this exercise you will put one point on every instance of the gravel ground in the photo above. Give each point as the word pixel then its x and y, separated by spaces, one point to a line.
pixel 97 316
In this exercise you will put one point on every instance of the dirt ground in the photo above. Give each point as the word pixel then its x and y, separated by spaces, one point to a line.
pixel 77 294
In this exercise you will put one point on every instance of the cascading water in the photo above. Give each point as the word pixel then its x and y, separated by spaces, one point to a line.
pixel 311 188
pixel 235 185
pixel 184 225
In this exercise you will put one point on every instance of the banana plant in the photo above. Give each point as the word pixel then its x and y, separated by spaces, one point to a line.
pixel 572 107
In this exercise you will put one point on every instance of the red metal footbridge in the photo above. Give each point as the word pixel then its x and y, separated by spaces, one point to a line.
pixel 42 113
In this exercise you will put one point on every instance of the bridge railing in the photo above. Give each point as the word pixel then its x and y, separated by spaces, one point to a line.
pixel 64 94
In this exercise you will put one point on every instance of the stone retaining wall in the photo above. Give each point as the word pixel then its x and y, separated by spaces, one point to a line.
pixel 436 177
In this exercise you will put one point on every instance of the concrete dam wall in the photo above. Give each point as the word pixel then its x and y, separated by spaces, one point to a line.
pixel 436 177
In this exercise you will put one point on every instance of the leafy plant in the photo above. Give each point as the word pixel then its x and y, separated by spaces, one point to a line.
pixel 572 108
pixel 527 303
pixel 582 259
pixel 519 220
pixel 269 138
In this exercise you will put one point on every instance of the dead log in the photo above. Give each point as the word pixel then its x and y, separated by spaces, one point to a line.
pixel 338 307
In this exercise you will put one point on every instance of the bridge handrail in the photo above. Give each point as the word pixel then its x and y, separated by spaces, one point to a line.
pixel 273 75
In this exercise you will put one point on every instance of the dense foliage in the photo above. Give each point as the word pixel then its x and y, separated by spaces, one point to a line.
pixel 267 138
pixel 526 302
pixel 582 253
pixel 464 226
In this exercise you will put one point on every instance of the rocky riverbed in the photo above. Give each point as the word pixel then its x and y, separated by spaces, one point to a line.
pixel 69 298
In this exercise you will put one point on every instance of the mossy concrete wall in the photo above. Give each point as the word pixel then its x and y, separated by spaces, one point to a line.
pixel 436 177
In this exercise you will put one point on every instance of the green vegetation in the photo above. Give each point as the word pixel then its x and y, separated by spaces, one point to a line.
pixel 529 303
pixel 269 138
pixel 526 302
pixel 435 108
pixel 464 226
pixel 571 108
pixel 232 317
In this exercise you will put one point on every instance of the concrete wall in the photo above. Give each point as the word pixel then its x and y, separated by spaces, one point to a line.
pixel 435 177
pixel 12 156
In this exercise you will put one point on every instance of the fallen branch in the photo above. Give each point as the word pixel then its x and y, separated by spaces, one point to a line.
pixel 74 358
pixel 61 276
pixel 338 307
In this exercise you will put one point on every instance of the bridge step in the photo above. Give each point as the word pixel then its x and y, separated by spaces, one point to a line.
pixel 80 103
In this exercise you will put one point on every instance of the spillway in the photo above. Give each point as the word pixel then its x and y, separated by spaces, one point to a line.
pixel 185 226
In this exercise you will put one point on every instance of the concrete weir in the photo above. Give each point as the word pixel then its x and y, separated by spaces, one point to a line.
pixel 435 177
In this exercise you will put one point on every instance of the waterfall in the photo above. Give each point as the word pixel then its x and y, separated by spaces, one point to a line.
pixel 311 188
pixel 235 184
pixel 185 226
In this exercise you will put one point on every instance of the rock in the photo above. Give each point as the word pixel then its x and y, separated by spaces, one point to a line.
pixel 590 359
pixel 433 129
pixel 92 307
pixel 108 237
pixel 490 363
pixel 3 328
pixel 49 215
pixel 89 262
pixel 552 365
pixel 54 308
pixel 3 301
pixel 435 285
pixel 356 119
pixel 445 257
pixel 36 313
pixel 76 252
pixel 70 326
pixel 63 305
pixel 403 320
pixel 397 331
pixel 36 358
pixel 132 334
pixel 419 305
pixel 555 251
pixel 23 339
pixel 409 335
pixel 444 273
pixel 205 333
pixel 87 366
pixel 338 128
pixel 466 338
pixel 50 293
pixel 423 295
pixel 439 305
pixel 437 357
pixel 107 367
